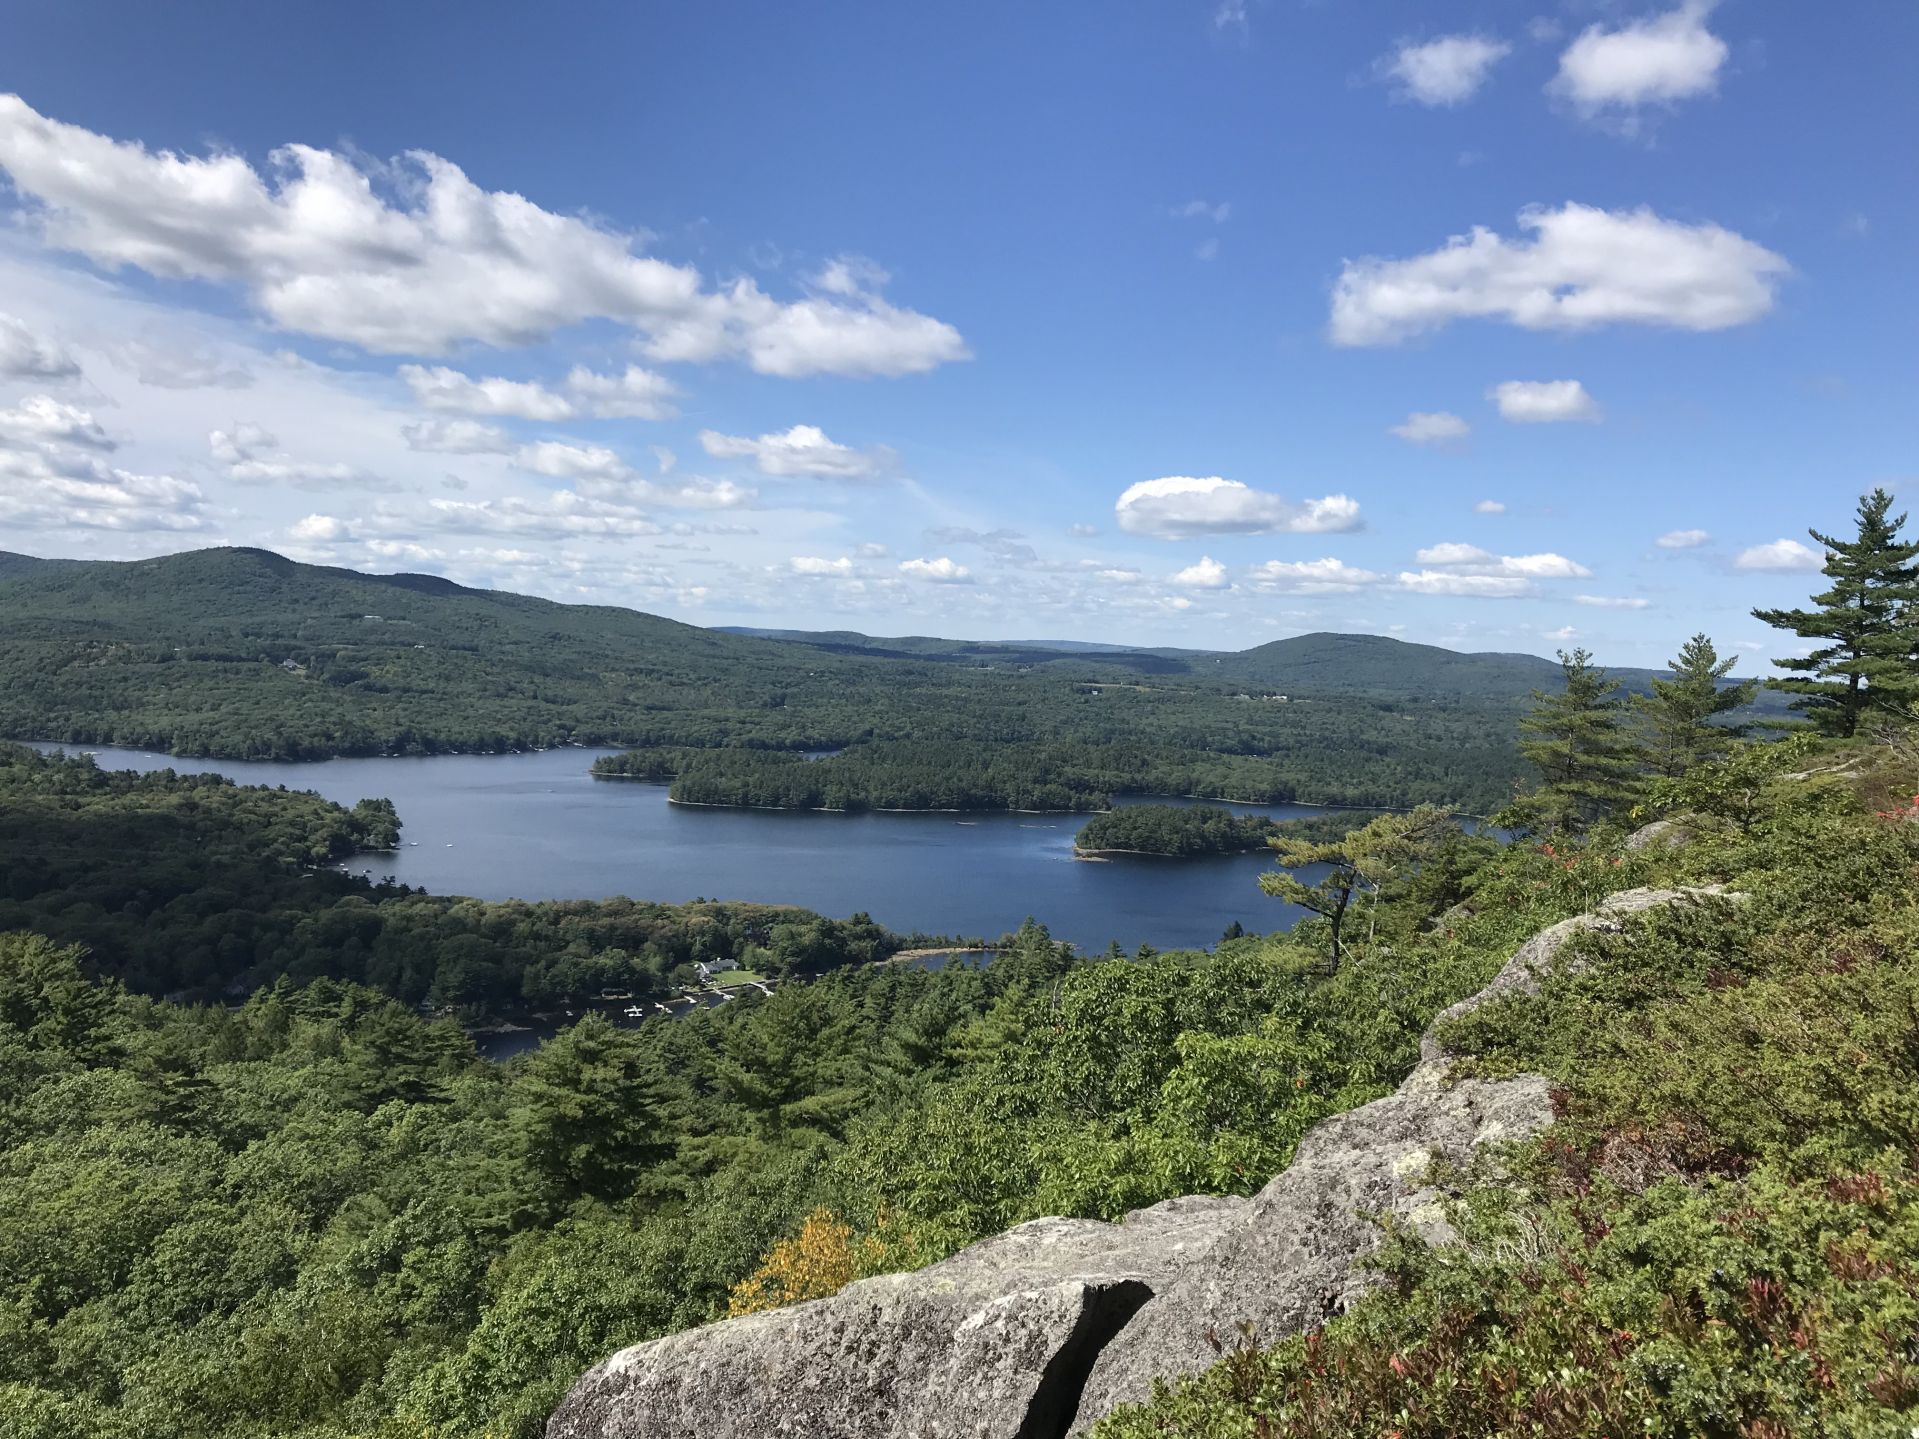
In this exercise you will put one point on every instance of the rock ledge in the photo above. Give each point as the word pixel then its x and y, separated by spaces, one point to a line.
pixel 1038 1332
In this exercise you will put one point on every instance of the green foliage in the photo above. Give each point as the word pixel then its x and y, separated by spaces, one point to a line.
pixel 1360 864
pixel 245 654
pixel 1177 830
pixel 1678 713
pixel 1869 662
pixel 1577 739
pixel 1720 1235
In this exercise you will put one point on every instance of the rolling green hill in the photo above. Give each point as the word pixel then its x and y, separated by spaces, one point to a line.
pixel 243 653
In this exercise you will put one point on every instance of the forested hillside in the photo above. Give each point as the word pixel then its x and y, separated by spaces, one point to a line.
pixel 245 654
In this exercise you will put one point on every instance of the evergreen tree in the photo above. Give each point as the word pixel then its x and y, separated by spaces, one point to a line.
pixel 1362 863
pixel 1576 740
pixel 1678 713
pixel 1867 617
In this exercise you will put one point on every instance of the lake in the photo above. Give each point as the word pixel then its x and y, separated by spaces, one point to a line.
pixel 539 826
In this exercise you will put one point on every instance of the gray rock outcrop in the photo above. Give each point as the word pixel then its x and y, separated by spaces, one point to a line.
pixel 1038 1332
pixel 992 1343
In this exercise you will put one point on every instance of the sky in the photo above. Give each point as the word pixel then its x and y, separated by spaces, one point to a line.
pixel 1510 325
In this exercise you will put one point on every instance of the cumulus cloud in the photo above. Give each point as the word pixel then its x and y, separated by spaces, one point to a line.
pixel 319 529
pixel 634 394
pixel 814 565
pixel 1611 602
pixel 253 456
pixel 1206 573
pixel 564 514
pixel 1779 555
pixel 1614 73
pixel 26 356
pixel 1436 427
pixel 1119 577
pixel 457 437
pixel 58 487
pixel 1449 582
pixel 941 571
pixel 1541 402
pixel 1682 539
pixel 42 419
pixel 1471 559
pixel 1490 507
pixel 1453 568
pixel 1312 577
pixel 440 387
pixel 1183 506
pixel 802 450
pixel 412 257
pixel 1446 71
pixel 603 474
pixel 1581 268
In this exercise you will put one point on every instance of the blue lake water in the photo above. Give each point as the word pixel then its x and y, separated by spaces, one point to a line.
pixel 539 826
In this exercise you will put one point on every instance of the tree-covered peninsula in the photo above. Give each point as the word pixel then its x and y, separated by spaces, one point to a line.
pixel 1189 831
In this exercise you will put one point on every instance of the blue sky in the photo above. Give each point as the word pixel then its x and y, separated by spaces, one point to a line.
pixel 1138 323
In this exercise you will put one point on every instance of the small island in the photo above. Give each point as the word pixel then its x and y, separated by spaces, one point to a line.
pixel 1188 831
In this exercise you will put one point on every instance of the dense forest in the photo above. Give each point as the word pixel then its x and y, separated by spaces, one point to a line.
pixel 1184 831
pixel 194 885
pixel 244 654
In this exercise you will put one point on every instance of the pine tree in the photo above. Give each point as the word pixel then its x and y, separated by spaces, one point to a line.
pixel 1867 617
pixel 1576 740
pixel 1677 714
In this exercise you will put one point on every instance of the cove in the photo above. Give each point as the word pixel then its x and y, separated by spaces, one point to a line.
pixel 538 826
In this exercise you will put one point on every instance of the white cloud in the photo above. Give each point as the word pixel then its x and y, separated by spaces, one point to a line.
pixel 941 571
pixel 1437 427
pixel 1779 555
pixel 1205 210
pixel 1453 568
pixel 178 367
pixel 873 550
pixel 600 473
pixel 1182 506
pixel 1682 539
pixel 1312 577
pixel 1119 577
pixel 560 515
pixel 411 257
pixel 44 420
pixel 1539 402
pixel 1489 507
pixel 1582 268
pixel 253 457
pixel 802 450
pixel 56 487
pixel 1447 582
pixel 439 387
pixel 25 356
pixel 1654 61
pixel 1206 573
pixel 814 565
pixel 634 394
pixel 1611 602
pixel 1565 634
pixel 1082 531
pixel 319 529
pixel 457 437
pixel 1446 71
